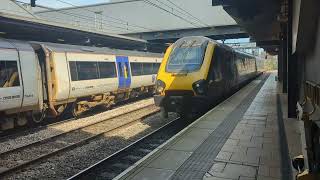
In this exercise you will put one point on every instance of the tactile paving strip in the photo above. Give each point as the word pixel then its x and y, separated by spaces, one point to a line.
pixel 203 157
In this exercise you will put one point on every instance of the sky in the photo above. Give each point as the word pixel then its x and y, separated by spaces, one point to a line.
pixel 58 4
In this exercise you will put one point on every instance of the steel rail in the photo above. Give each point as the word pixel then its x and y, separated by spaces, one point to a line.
pixel 45 125
pixel 72 130
pixel 91 170
pixel 73 145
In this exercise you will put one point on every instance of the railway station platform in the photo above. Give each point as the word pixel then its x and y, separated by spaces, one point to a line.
pixel 246 137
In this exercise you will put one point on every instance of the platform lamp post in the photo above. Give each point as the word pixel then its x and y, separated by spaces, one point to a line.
pixel 33 3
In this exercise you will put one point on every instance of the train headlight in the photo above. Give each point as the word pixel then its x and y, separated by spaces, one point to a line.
pixel 160 86
pixel 200 87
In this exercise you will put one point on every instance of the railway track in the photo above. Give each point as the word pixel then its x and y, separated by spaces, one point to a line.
pixel 119 161
pixel 29 136
pixel 116 163
pixel 21 157
pixel 51 122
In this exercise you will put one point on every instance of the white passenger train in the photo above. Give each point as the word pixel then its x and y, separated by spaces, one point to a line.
pixel 46 79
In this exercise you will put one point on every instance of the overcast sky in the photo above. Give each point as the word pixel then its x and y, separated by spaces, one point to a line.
pixel 58 4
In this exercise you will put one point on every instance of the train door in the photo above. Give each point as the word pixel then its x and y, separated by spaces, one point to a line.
pixel 11 92
pixel 216 87
pixel 124 74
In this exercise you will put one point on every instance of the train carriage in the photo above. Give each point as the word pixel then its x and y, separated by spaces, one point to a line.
pixel 197 72
pixel 46 79
pixel 20 80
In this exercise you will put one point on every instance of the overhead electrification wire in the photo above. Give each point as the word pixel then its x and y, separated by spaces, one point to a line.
pixel 86 18
pixel 173 9
pixel 91 18
pixel 199 20
pixel 163 9
pixel 186 12
pixel 121 21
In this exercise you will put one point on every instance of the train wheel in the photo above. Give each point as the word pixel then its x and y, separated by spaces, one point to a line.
pixel 21 119
pixel 36 116
pixel 163 113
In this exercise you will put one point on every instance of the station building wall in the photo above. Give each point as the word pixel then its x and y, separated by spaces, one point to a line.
pixel 312 62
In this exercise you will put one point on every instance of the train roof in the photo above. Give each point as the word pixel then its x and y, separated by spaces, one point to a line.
pixel 15 44
pixel 94 50
pixel 201 39
pixel 28 46
pixel 224 46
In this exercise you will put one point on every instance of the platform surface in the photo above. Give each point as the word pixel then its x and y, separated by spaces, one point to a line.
pixel 237 140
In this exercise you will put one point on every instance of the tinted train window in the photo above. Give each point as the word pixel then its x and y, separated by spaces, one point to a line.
pixel 186 59
pixel 215 73
pixel 136 69
pixel 80 70
pixel 156 67
pixel 139 69
pixel 147 68
pixel 107 70
pixel 87 70
pixel 73 70
pixel 120 69
pixel 127 70
pixel 9 76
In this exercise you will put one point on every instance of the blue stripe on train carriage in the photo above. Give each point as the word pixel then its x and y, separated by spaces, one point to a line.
pixel 124 74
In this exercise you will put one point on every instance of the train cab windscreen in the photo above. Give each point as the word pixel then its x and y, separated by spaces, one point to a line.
pixel 186 57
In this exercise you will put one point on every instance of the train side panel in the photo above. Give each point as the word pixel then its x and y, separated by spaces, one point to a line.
pixel 145 78
pixel 85 80
pixel 60 76
pixel 246 67
pixel 31 78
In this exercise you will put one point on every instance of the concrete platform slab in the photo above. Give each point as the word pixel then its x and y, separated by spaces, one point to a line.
pixel 170 160
pixel 237 140
pixel 187 144
pixel 153 174
pixel 196 132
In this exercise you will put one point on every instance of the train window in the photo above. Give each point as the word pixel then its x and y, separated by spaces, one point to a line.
pixel 107 70
pixel 147 68
pixel 185 59
pixel 9 76
pixel 156 67
pixel 241 66
pixel 120 69
pixel 139 69
pixel 215 69
pixel 87 70
pixel 136 69
pixel 73 70
pixel 228 65
pixel 127 70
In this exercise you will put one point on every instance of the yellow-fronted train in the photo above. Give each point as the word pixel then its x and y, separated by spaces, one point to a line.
pixel 198 72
